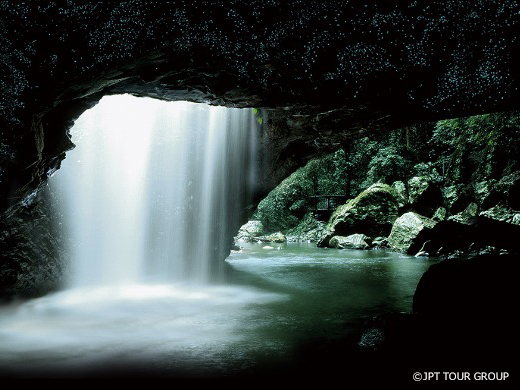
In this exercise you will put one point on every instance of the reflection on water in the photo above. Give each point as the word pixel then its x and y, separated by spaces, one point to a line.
pixel 274 300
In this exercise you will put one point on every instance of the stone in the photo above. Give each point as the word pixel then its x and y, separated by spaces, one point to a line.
pixel 380 243
pixel 500 212
pixel 452 238
pixel 354 241
pixel 451 195
pixel 510 186
pixel 372 212
pixel 277 237
pixel 424 196
pixel 249 231
pixel 468 286
pixel 484 193
pixel 440 214
pixel 467 215
pixel 400 188
pixel 406 228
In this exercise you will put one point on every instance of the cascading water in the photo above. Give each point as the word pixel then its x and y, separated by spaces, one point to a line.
pixel 153 188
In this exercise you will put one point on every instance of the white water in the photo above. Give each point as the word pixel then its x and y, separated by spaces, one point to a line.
pixel 153 188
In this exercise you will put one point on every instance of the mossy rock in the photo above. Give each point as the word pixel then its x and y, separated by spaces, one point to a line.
pixel 372 213
pixel 406 228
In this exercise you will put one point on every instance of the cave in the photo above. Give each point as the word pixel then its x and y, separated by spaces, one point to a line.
pixel 320 73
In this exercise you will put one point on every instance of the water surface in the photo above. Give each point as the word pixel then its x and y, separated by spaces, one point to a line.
pixel 273 304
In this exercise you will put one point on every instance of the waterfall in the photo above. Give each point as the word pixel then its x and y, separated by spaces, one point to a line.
pixel 153 189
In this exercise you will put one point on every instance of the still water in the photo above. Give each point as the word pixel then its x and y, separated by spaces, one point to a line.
pixel 272 304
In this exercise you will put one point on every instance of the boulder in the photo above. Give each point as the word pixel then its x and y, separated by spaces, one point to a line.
pixel 354 241
pixel 380 243
pixel 424 196
pixel 452 238
pixel 509 188
pixel 456 198
pixel 467 215
pixel 406 229
pixel 277 237
pixel 401 192
pixel 485 194
pixel 372 212
pixel 468 286
pixel 249 231
pixel 440 214
pixel 499 212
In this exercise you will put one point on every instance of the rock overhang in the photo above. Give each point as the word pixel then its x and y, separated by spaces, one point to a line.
pixel 327 71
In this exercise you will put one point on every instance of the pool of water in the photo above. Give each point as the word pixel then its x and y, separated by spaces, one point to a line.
pixel 275 302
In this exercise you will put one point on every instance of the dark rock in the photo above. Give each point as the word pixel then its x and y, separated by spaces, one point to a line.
pixel 478 286
pixel 335 70
pixel 449 236
pixel 509 186
pixel 464 315
pixel 32 258
pixel 424 196
pixel 466 217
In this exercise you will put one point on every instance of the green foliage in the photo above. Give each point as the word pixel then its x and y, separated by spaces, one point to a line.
pixel 476 148
pixel 258 116
pixel 283 208
pixel 391 163
pixel 448 152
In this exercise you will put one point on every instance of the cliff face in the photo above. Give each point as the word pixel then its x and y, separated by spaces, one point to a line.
pixel 324 72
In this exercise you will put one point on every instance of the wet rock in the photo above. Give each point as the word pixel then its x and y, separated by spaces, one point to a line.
pixel 32 257
pixel 372 212
pixel 354 241
pixel 380 243
pixel 406 229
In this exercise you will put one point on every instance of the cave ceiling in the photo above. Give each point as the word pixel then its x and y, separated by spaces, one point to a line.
pixel 324 72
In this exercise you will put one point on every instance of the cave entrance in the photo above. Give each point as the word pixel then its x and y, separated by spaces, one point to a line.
pixel 154 189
